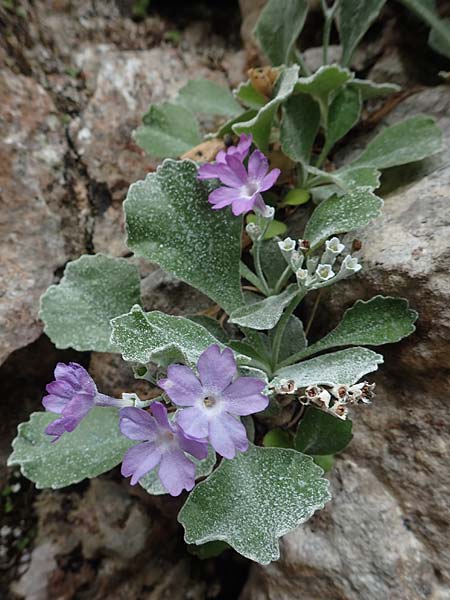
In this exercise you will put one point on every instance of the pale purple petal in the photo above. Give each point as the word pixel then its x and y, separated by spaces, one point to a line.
pixel 242 205
pixel 222 196
pixel 58 427
pixel 54 404
pixel 244 397
pixel 258 165
pixel 139 460
pixel 269 180
pixel 243 146
pixel 238 170
pixel 137 424
pixel 193 422
pixel 60 388
pixel 181 385
pixel 159 411
pixel 227 435
pixel 210 171
pixel 216 368
pixel 77 408
pixel 220 157
pixel 177 472
pixel 198 448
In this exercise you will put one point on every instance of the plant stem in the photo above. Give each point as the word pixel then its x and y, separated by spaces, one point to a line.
pixel 329 15
pixel 250 276
pixel 313 313
pixel 276 345
pixel 284 278
pixel 299 58
pixel 257 260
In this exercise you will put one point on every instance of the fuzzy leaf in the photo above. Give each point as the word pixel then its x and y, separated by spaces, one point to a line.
pixel 211 325
pixel 293 340
pixel 327 79
pixel 344 113
pixel 355 18
pixel 341 214
pixel 154 336
pixel 94 447
pixel 152 484
pixel 227 128
pixel 207 97
pixel 169 221
pixel 249 96
pixel 410 140
pixel 370 89
pixel 266 313
pixel 378 321
pixel 299 127
pixel 278 28
pixel 272 261
pixel 252 500
pixel 261 125
pixel 94 289
pixel 344 366
pixel 168 130
pixel 320 433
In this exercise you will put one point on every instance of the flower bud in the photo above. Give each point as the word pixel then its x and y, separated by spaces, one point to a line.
pixel 324 272
pixel 350 264
pixel 253 231
pixel 287 245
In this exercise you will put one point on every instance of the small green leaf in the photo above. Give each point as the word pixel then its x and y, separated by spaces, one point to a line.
pixel 272 262
pixel 360 177
pixel 341 214
pixel 154 336
pixel 250 97
pixel 378 321
pixel 344 113
pixel 325 81
pixel 410 140
pixel 207 97
pixel 275 227
pixel 261 125
pixel 168 130
pixel 299 127
pixel 321 433
pixel 277 438
pixel 325 462
pixel 370 89
pixel 296 197
pixel 278 28
pixel 252 500
pixel 266 313
pixel 344 366
pixel 203 468
pixel 169 221
pixel 227 128
pixel 94 447
pixel 355 18
pixel 94 289
pixel 293 340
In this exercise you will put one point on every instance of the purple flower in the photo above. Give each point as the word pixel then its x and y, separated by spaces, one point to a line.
pixel 212 171
pixel 242 187
pixel 215 401
pixel 72 395
pixel 163 444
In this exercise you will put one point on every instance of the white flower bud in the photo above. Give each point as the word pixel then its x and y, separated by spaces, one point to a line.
pixel 334 246
pixel 253 231
pixel 340 410
pixel 324 272
pixel 302 275
pixel 350 264
pixel 296 260
pixel 287 245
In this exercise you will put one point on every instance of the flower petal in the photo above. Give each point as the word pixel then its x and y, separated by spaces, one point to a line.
pixel 209 171
pixel 227 435
pixel 139 460
pixel 216 368
pixel 77 409
pixel 58 427
pixel 223 196
pixel 62 388
pixel 159 411
pixel 243 146
pixel 242 205
pixel 193 422
pixel 181 385
pixel 237 169
pixel 244 397
pixel 258 165
pixel 177 472
pixel 137 424
pixel 269 180
pixel 198 448
pixel 54 404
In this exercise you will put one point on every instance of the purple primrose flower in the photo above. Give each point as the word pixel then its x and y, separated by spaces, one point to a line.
pixel 72 395
pixel 242 187
pixel 215 402
pixel 163 444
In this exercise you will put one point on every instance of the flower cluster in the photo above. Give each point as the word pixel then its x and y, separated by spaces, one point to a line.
pixel 336 400
pixel 242 185
pixel 314 272
pixel 209 409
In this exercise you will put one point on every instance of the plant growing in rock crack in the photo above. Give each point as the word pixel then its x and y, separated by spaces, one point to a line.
pixel 221 387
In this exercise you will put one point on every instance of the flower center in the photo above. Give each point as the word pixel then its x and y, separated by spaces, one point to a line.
pixel 209 401
pixel 250 188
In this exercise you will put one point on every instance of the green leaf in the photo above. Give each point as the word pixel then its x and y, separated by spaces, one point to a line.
pixel 355 18
pixel 227 128
pixel 277 438
pixel 168 130
pixel 94 289
pixel 299 126
pixel 320 433
pixel 296 197
pixel 170 222
pixel 272 261
pixel 266 313
pixel 252 500
pixel 325 81
pixel 152 484
pixel 439 38
pixel 325 462
pixel 261 125
pixel 94 447
pixel 410 140
pixel 381 320
pixel 249 96
pixel 341 214
pixel 207 97
pixel 344 113
pixel 370 89
pixel 211 325
pixel 154 336
pixel 293 340
pixel 278 28
pixel 360 177
pixel 342 367
pixel 275 227
pixel 209 550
